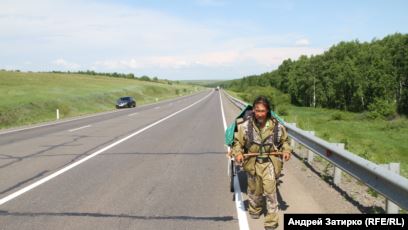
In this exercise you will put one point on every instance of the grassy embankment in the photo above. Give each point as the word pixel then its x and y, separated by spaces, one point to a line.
pixel 378 140
pixel 27 98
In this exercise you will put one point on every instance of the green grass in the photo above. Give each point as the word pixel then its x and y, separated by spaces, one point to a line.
pixel 200 82
pixel 378 140
pixel 27 98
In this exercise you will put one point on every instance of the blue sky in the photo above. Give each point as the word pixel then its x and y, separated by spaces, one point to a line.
pixel 197 39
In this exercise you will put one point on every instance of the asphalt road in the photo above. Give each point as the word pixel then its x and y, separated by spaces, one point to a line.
pixel 161 166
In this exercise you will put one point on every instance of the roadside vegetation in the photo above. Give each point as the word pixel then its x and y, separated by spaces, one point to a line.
pixel 201 82
pixel 376 139
pixel 355 93
pixel 27 98
pixel 350 76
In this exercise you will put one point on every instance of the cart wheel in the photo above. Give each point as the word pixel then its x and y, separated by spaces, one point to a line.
pixel 229 171
pixel 232 174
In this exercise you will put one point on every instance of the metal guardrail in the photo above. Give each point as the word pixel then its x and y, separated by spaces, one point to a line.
pixel 389 184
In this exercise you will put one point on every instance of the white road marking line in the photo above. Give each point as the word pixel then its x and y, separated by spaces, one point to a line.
pixel 133 114
pixel 57 122
pixel 61 171
pixel 78 118
pixel 239 203
pixel 83 127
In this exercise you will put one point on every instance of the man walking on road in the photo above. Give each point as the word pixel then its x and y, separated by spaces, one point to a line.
pixel 260 145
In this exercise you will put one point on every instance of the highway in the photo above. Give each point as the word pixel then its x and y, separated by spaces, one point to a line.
pixel 159 166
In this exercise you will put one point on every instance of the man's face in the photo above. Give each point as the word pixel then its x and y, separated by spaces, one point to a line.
pixel 260 112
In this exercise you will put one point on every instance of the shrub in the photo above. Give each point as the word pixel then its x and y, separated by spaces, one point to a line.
pixel 337 116
pixel 283 111
pixel 381 108
pixel 64 109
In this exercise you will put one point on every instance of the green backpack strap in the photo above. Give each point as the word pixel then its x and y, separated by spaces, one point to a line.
pixel 229 133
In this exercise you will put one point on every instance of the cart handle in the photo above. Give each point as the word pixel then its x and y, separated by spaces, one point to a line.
pixel 268 154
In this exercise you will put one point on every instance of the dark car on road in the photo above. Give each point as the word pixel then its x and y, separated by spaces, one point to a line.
pixel 125 102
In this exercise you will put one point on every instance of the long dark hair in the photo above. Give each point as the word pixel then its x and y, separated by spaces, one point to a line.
pixel 263 100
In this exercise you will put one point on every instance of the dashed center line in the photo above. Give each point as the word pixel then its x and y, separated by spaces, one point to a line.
pixel 82 127
pixel 132 114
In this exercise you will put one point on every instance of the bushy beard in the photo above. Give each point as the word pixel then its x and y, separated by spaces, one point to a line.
pixel 259 121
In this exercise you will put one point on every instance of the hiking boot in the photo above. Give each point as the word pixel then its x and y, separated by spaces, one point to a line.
pixel 255 216
pixel 269 228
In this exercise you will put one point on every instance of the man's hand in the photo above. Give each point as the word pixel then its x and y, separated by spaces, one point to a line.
pixel 239 158
pixel 286 156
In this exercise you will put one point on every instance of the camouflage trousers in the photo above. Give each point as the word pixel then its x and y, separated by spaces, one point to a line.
pixel 263 183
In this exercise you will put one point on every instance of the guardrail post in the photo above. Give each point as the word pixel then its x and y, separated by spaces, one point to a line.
pixel 391 207
pixel 337 171
pixel 58 114
pixel 292 142
pixel 310 154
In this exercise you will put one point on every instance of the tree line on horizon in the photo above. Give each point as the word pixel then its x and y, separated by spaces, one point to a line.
pixel 119 75
pixel 352 76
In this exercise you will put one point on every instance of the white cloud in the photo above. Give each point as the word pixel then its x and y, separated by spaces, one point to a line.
pixel 65 64
pixel 74 26
pixel 302 42
pixel 228 58
pixel 109 36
